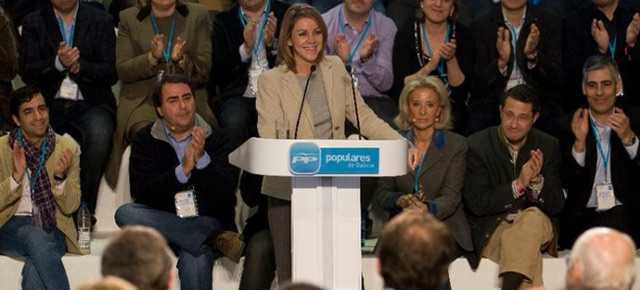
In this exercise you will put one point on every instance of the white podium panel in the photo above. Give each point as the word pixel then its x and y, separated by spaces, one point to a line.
pixel 325 203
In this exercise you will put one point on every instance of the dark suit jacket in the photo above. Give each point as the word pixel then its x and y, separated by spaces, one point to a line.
pixel 579 180
pixel 154 182
pixel 94 37
pixel 546 76
pixel 229 75
pixel 487 189
pixel 442 177
pixel 578 45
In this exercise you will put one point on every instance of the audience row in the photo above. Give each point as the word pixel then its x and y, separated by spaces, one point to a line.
pixel 499 191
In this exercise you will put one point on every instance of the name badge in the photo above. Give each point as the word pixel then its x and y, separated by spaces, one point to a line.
pixel 186 205
pixel 605 196
pixel 68 89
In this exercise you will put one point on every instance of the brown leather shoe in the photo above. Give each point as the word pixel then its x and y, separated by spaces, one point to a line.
pixel 231 245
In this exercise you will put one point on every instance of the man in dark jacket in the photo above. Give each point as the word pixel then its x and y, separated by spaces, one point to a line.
pixel 600 153
pixel 516 43
pixel 244 43
pixel 183 184
pixel 512 188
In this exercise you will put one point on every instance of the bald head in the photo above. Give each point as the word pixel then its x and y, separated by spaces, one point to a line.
pixel 602 259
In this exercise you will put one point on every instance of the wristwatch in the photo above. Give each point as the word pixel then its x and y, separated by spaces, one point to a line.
pixel 630 141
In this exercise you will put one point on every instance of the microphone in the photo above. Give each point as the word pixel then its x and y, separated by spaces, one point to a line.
pixel 304 95
pixel 352 75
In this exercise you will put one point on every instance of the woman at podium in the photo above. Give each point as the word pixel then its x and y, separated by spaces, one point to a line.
pixel 435 186
pixel 310 95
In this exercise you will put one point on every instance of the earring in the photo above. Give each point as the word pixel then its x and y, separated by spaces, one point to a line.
pixel 437 119
pixel 421 5
pixel 451 14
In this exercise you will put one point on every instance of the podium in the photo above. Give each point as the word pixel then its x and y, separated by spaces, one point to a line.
pixel 325 203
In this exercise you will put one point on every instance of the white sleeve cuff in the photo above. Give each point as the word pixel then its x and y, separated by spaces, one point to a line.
pixel 633 149
pixel 244 56
pixel 59 65
pixel 13 184
pixel 578 157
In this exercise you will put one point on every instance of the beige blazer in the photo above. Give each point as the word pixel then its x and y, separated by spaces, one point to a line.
pixel 66 203
pixel 280 94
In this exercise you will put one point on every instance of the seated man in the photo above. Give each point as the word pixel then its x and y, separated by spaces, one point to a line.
pixel 39 189
pixel 601 152
pixel 516 43
pixel 140 255
pixel 512 188
pixel 414 252
pixel 363 39
pixel 183 184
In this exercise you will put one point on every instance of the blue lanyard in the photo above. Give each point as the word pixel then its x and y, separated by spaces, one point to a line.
pixel 605 157
pixel 362 37
pixel 416 185
pixel 612 46
pixel 256 46
pixel 426 43
pixel 165 51
pixel 68 42
pixel 32 181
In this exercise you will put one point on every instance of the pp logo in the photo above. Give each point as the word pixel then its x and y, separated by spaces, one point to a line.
pixel 304 158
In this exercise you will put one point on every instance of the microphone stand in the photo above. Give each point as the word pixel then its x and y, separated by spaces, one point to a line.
pixel 352 72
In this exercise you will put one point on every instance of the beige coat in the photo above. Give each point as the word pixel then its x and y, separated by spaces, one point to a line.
pixel 138 77
pixel 66 203
pixel 279 96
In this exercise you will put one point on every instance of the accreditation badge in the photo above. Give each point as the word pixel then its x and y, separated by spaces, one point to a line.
pixel 68 89
pixel 186 205
pixel 605 196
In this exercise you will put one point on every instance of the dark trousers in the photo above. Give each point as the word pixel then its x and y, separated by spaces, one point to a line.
pixel 239 117
pixel 259 262
pixel 92 127
pixel 575 222
pixel 280 224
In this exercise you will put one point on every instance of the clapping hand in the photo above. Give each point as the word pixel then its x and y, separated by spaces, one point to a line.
pixel 19 162
pixel 531 168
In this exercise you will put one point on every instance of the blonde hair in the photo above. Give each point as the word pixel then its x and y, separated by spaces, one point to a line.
pixel 291 17
pixel 403 120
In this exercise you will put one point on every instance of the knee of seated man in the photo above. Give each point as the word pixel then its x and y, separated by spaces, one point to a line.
pixel 532 218
pixel 39 242
pixel 100 135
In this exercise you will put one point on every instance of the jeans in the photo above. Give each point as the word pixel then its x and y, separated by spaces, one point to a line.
pixel 185 237
pixel 239 117
pixel 42 250
pixel 259 263
pixel 92 127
